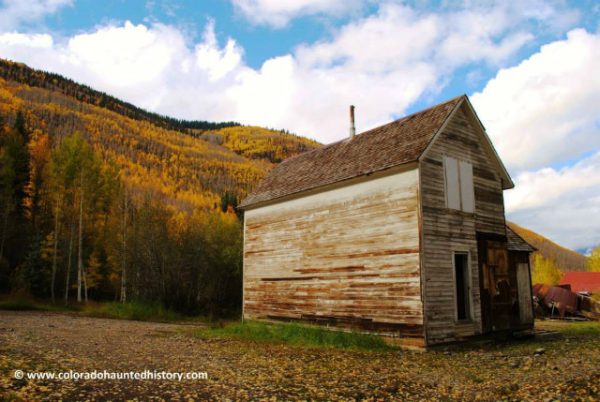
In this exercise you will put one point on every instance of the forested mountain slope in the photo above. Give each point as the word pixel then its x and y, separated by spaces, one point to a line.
pixel 20 73
pixel 192 164
pixel 102 200
pixel 564 258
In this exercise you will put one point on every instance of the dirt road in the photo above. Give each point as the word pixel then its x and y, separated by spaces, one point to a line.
pixel 568 369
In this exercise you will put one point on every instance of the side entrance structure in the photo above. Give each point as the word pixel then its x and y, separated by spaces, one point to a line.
pixel 398 231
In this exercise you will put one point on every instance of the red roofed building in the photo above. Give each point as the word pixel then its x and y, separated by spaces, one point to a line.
pixel 582 281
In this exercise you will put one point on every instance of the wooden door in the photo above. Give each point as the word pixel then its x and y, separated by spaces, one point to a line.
pixel 524 290
pixel 484 287
pixel 495 288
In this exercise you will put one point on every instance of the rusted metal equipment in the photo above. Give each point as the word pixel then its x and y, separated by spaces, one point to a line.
pixel 561 301
pixel 556 298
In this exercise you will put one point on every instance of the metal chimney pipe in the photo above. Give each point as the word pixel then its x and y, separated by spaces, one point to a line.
pixel 352 126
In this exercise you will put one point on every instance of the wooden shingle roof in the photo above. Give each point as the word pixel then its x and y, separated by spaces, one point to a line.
pixel 516 242
pixel 396 143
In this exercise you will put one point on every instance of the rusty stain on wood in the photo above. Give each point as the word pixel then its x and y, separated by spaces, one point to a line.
pixel 307 278
pixel 348 256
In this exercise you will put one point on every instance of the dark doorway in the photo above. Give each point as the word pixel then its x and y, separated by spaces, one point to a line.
pixel 461 279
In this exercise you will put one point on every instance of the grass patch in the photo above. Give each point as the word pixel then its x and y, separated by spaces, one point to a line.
pixel 124 311
pixel 24 304
pixel 295 334
pixel 583 328
pixel 19 305
pixel 131 311
pixel 573 328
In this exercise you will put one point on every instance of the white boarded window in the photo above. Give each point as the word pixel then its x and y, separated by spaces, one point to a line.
pixel 452 183
pixel 460 193
pixel 467 193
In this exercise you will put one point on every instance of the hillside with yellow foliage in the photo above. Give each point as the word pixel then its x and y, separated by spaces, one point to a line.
pixel 564 258
pixel 259 143
pixel 102 200
pixel 190 168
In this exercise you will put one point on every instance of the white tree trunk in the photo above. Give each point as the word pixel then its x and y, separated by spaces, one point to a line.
pixel 68 279
pixel 124 256
pixel 54 256
pixel 80 241
pixel 85 293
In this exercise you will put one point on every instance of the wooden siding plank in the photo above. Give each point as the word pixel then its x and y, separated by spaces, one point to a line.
pixel 349 255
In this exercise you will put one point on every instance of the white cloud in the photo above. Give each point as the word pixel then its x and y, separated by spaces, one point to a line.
pixel 14 13
pixel 562 204
pixel 398 54
pixel 545 110
pixel 17 40
pixel 278 13
pixel 217 62
pixel 141 55
pixel 547 185
pixel 554 15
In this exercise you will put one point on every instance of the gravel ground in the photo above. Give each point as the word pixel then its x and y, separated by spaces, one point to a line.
pixel 567 369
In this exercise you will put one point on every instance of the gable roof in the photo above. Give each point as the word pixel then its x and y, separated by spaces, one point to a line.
pixel 399 142
pixel 582 281
pixel 516 242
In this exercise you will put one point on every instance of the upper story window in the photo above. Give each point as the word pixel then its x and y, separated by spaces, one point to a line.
pixel 460 193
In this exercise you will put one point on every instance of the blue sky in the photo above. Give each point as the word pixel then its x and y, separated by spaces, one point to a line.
pixel 259 42
pixel 531 69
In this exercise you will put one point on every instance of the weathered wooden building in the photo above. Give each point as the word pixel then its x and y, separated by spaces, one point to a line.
pixel 399 230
